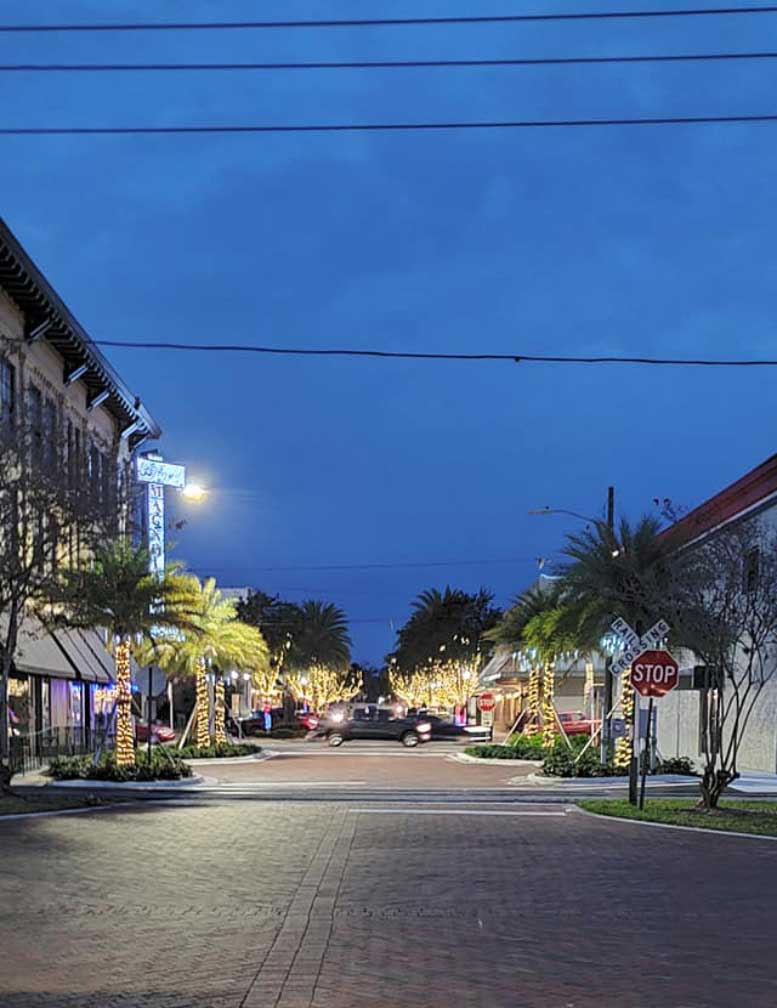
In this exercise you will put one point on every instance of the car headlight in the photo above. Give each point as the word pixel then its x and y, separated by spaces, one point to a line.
pixel 424 728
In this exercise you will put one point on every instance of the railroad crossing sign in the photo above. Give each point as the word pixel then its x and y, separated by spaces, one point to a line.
pixel 654 673
pixel 486 702
pixel 635 644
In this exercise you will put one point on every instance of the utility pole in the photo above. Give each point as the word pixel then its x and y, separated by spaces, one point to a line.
pixel 608 676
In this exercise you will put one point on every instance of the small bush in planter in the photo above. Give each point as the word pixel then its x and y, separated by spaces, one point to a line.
pixel 163 765
pixel 221 750
pixel 288 731
pixel 506 752
pixel 561 761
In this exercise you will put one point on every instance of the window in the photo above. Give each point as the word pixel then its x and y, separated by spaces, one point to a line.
pixel 35 420
pixel 94 472
pixel 751 569
pixel 49 425
pixel 7 390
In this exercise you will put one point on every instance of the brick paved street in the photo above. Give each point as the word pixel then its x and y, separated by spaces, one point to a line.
pixel 282 905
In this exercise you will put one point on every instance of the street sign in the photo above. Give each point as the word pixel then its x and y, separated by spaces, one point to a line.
pixel 162 473
pixel 152 677
pixel 486 702
pixel 635 645
pixel 654 673
pixel 487 719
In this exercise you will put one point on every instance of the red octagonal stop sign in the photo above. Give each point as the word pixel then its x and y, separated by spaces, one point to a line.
pixel 486 702
pixel 654 673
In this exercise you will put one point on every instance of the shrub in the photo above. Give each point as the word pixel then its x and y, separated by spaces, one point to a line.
pixel 527 746
pixel 163 765
pixel 223 750
pixel 561 761
pixel 506 752
pixel 676 765
pixel 288 731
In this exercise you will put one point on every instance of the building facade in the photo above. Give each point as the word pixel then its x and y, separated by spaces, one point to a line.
pixel 752 498
pixel 77 415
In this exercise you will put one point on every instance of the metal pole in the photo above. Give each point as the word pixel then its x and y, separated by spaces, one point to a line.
pixel 148 700
pixel 608 676
pixel 170 702
pixel 646 754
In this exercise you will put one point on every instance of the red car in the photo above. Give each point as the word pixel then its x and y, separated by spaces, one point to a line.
pixel 308 720
pixel 159 732
pixel 576 723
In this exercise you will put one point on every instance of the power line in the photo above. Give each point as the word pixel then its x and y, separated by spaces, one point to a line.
pixel 516 358
pixel 379 127
pixel 383 64
pixel 386 22
pixel 377 566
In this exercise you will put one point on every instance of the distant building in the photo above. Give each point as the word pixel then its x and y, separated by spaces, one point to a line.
pixel 55 382
pixel 578 680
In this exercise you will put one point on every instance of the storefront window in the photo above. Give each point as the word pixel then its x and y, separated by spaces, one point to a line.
pixel 75 704
pixel 20 705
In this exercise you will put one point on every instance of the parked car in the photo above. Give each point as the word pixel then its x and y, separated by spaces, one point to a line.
pixel 159 732
pixel 308 720
pixel 576 723
pixel 380 723
pixel 446 730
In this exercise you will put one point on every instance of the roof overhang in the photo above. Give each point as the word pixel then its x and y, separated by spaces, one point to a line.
pixel 49 319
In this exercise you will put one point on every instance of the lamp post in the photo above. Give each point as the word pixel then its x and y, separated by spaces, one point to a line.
pixel 615 551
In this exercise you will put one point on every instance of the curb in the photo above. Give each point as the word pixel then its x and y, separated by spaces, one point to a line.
pixel 78 811
pixel 227 760
pixel 686 829
pixel 606 783
pixel 164 785
pixel 465 758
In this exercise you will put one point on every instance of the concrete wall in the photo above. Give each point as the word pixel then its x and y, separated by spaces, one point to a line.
pixel 679 730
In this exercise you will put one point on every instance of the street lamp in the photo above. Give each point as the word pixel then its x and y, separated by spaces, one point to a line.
pixel 194 492
pixel 615 550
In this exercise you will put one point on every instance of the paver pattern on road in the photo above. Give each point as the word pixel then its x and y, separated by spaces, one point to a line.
pixel 400 770
pixel 283 905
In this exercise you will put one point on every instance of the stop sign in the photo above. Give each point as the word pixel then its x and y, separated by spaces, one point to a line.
pixel 486 702
pixel 654 673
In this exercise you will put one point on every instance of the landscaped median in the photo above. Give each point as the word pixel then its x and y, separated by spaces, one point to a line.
pixel 754 817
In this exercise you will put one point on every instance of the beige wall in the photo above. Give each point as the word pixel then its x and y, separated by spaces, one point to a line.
pixel 38 364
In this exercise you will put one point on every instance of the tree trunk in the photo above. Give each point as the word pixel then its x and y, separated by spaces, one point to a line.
pixel 9 647
pixel 125 742
pixel 548 710
pixel 713 784
pixel 220 713
pixel 203 714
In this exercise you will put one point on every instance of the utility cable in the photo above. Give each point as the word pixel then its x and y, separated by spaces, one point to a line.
pixel 396 22
pixel 394 127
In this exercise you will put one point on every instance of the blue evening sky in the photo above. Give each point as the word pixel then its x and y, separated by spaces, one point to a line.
pixel 629 240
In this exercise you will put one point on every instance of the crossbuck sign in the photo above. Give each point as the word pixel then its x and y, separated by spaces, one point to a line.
pixel 634 644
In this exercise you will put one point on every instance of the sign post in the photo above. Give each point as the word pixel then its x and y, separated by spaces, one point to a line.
pixel 634 646
pixel 653 675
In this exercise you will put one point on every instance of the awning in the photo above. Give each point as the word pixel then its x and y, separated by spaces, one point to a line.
pixel 62 654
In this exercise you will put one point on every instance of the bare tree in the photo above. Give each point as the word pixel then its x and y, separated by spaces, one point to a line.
pixel 726 613
pixel 52 510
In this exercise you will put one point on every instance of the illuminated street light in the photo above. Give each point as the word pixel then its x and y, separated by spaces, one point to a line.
pixel 194 492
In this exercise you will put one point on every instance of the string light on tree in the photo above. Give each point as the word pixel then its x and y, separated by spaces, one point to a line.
pixel 622 756
pixel 125 742
pixel 202 712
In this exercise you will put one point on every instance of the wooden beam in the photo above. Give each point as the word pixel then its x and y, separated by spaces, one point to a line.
pixel 97 399
pixel 75 373
pixel 129 430
pixel 39 330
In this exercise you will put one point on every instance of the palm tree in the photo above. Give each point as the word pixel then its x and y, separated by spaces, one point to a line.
pixel 320 637
pixel 115 591
pixel 446 625
pixel 216 637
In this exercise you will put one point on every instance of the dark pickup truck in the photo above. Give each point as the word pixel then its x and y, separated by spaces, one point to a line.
pixel 379 724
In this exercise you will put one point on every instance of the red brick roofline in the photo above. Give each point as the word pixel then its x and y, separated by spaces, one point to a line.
pixel 740 497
